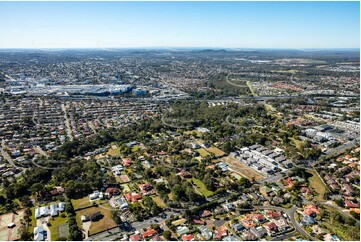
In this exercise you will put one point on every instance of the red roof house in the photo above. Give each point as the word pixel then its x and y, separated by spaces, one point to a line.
pixel 149 233
pixel 187 237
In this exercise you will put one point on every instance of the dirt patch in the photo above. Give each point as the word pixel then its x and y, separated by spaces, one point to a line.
pixel 242 169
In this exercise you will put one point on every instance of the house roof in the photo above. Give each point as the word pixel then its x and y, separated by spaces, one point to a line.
pixel 311 209
pixel 149 232
pixel 187 237
pixel 134 237
pixel 271 226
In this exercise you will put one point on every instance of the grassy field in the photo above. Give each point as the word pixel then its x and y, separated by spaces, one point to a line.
pixel 216 151
pixel 114 152
pixel 101 225
pixel 81 203
pixel 125 188
pixel 158 201
pixel 198 134
pixel 249 85
pixel 317 185
pixel 200 187
pixel 202 152
pixel 55 223
pixel 298 143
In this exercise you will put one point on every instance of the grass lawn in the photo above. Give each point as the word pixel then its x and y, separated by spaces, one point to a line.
pixel 32 223
pixel 198 134
pixel 158 201
pixel 317 185
pixel 101 225
pixel 55 222
pixel 125 188
pixel 114 152
pixel 251 89
pixel 200 187
pixel 297 143
pixel 80 203
pixel 202 152
pixel 216 151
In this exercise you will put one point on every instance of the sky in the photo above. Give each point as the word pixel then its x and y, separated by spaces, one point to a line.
pixel 286 25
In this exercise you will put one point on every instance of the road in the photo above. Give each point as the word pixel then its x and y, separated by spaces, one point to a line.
pixel 67 123
pixel 7 156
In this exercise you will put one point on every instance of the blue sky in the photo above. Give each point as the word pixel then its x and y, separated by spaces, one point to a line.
pixel 180 24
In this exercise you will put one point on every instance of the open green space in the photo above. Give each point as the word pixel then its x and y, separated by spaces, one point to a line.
pixel 202 152
pixel 114 152
pixel 298 143
pixel 317 185
pixel 125 188
pixel 201 188
pixel 81 203
pixel 158 201
pixel 216 151
pixel 104 223
pixel 249 85
pixel 54 224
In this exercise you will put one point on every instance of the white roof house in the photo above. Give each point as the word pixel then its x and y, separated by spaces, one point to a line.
pixel 122 203
pixel 61 206
pixel 53 210
pixel 37 213
pixel 44 211
pixel 40 233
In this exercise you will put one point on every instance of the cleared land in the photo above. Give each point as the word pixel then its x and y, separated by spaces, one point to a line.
pixel 317 185
pixel 216 151
pixel 81 203
pixel 106 222
pixel 242 169
pixel 201 188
